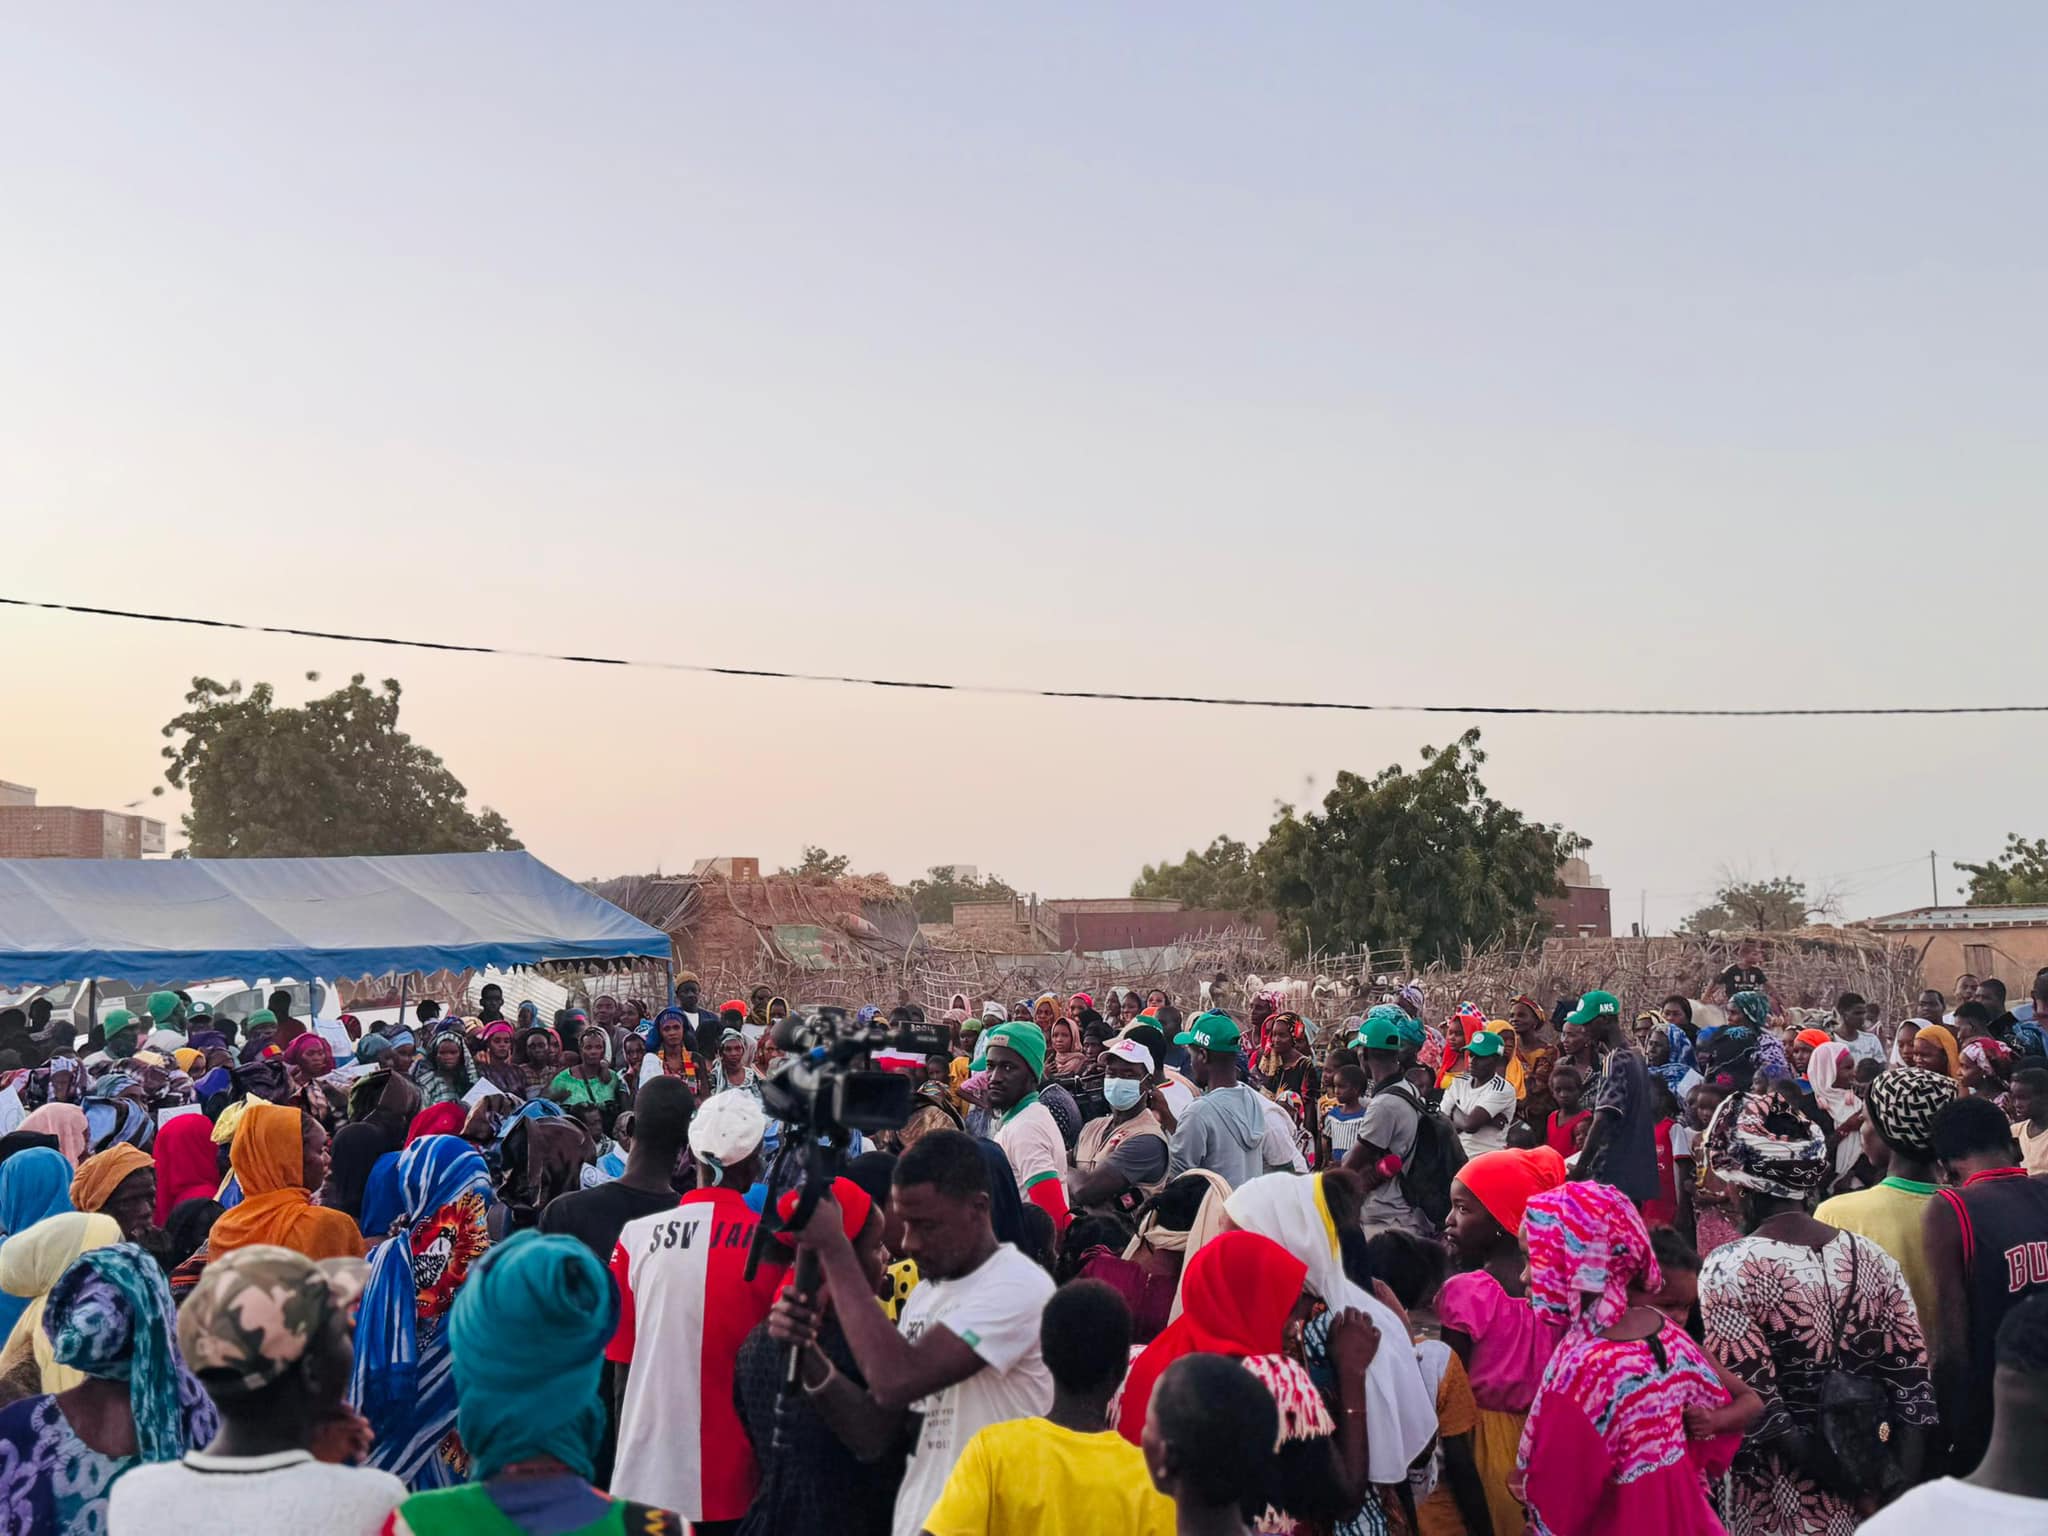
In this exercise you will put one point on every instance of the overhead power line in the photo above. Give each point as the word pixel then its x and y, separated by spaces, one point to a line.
pixel 1108 695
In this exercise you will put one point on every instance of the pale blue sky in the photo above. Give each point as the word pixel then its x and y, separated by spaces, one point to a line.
pixel 1611 355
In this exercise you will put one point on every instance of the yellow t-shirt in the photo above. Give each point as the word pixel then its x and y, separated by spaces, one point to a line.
pixel 1889 1215
pixel 1030 1477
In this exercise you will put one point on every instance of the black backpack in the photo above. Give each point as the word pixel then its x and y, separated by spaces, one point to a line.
pixel 1433 1162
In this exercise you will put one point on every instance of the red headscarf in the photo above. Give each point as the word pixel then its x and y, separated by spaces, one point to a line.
pixel 1236 1296
pixel 854 1206
pixel 187 1163
pixel 1505 1182
pixel 442 1120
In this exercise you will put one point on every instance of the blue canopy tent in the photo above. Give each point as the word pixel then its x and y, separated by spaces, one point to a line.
pixel 136 920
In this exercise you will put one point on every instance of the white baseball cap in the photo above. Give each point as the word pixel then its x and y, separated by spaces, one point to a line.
pixel 727 1128
pixel 1132 1052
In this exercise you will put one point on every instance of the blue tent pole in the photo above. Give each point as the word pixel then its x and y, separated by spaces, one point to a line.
pixel 669 965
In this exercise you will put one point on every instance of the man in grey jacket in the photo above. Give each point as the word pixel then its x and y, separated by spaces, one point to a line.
pixel 1224 1130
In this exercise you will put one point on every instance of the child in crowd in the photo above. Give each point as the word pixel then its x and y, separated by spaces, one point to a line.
pixel 1567 1085
pixel 2028 1106
pixel 1663 1210
pixel 1346 1118
pixel 1067 1469
pixel 1679 1296
pixel 1208 1441
pixel 1449 1498
pixel 1713 1206
pixel 1501 1341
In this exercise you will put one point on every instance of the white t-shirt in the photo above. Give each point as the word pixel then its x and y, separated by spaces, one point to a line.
pixel 1865 1047
pixel 1948 1505
pixel 1496 1096
pixel 288 1491
pixel 1031 1140
pixel 994 1312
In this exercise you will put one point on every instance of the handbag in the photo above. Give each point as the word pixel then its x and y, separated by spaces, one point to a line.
pixel 1856 1454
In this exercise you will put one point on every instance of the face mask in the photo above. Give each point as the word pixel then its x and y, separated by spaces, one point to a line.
pixel 1122 1092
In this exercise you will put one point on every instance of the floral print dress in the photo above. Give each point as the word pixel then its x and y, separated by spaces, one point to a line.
pixel 1781 1315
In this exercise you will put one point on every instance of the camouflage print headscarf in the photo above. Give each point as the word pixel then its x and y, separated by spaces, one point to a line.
pixel 258 1311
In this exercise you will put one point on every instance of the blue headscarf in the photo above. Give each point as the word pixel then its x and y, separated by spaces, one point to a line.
pixel 1679 1065
pixel 383 1199
pixel 111 1316
pixel 532 1390
pixel 650 1029
pixel 33 1184
pixel 404 1381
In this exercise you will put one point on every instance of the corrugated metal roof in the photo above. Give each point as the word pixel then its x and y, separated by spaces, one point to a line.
pixel 2017 915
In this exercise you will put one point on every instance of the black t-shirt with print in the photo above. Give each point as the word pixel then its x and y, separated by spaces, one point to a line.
pixel 1742 978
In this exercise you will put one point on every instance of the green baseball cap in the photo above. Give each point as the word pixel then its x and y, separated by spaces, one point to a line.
pixel 1210 1032
pixel 1378 1034
pixel 1595 1005
pixel 1485 1043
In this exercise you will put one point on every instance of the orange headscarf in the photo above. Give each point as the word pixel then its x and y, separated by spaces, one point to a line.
pixel 99 1176
pixel 269 1160
pixel 1939 1034
pixel 1505 1182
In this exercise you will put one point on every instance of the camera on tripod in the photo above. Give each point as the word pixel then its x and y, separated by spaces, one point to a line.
pixel 827 1083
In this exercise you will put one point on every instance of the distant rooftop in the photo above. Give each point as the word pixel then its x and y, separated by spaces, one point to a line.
pixel 2018 915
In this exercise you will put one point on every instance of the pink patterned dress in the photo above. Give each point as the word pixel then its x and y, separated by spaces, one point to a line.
pixel 1605 1448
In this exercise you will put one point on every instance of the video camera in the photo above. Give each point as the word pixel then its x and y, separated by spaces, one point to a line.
pixel 826 1085
pixel 824 1090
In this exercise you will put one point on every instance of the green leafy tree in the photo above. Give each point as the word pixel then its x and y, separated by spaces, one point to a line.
pixel 332 777
pixel 1221 878
pixel 1769 906
pixel 941 886
pixel 2020 874
pixel 817 864
pixel 1426 860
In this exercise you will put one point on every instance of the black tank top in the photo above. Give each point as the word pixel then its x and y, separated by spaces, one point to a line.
pixel 2003 1215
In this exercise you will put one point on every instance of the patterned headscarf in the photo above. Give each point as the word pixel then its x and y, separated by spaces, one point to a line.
pixel 1767 1146
pixel 402 1379
pixel 1587 1244
pixel 1680 1062
pixel 257 1311
pixel 1902 1103
pixel 1754 1007
pixel 1990 1056
pixel 111 1316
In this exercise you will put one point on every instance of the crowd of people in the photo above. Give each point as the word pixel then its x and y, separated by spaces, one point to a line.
pixel 1418 1267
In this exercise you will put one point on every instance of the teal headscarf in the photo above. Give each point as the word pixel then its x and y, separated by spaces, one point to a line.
pixel 111 1316
pixel 1391 1013
pixel 1022 1038
pixel 527 1336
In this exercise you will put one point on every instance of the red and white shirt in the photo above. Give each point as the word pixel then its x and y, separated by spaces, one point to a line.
pixel 684 1311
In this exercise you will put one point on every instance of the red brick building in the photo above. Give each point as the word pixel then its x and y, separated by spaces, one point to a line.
pixel 1585 910
pixel 31 831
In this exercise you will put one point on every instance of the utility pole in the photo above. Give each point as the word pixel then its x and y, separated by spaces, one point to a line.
pixel 1933 879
